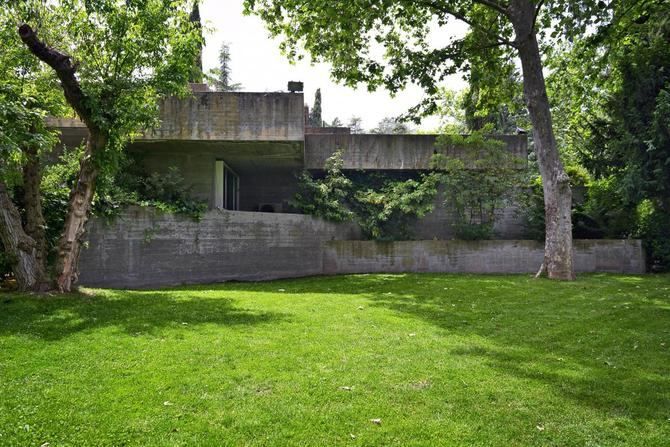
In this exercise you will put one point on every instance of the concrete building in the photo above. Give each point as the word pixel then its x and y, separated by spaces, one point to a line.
pixel 243 151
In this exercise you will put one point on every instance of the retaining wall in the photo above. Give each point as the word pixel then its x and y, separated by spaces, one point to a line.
pixel 144 249
pixel 141 248
pixel 490 256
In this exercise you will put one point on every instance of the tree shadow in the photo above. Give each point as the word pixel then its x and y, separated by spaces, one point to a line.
pixel 596 341
pixel 133 312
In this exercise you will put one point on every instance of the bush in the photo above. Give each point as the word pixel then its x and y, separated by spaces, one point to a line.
pixel 382 204
pixel 479 183
pixel 654 229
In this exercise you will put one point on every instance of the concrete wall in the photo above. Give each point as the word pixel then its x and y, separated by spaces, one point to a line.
pixel 519 256
pixel 438 224
pixel 215 116
pixel 267 170
pixel 387 151
pixel 231 116
pixel 142 249
pixel 145 249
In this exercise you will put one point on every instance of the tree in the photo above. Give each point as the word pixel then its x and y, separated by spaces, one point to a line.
pixel 355 125
pixel 336 122
pixel 391 126
pixel 196 75
pixel 221 77
pixel 615 120
pixel 315 119
pixel 341 32
pixel 27 94
pixel 118 60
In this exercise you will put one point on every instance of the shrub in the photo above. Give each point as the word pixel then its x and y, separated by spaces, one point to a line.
pixel 382 204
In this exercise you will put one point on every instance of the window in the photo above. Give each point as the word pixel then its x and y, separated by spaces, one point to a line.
pixel 227 194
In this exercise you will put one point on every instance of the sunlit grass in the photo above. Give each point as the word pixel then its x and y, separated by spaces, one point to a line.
pixel 353 360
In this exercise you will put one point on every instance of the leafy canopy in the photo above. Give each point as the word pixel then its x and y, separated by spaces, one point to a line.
pixel 129 54
pixel 390 43
pixel 28 93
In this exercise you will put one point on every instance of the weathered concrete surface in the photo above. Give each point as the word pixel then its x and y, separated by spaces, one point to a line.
pixel 511 256
pixel 232 116
pixel 268 170
pixel 215 116
pixel 326 130
pixel 387 152
pixel 144 249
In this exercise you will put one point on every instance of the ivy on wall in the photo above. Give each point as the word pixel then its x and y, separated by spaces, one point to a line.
pixel 383 205
pixel 478 175
pixel 480 178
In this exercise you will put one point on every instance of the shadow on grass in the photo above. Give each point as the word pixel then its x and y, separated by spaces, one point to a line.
pixel 601 341
pixel 56 317
pixel 597 341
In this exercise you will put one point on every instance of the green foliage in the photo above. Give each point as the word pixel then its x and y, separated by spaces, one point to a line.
pixel 389 43
pixel 129 56
pixel 612 116
pixel 325 197
pixel 494 95
pixel 385 207
pixel 604 213
pixel 480 178
pixel 315 119
pixel 28 93
pixel 654 228
pixel 382 205
pixel 221 77
pixel 57 179
pixel 167 192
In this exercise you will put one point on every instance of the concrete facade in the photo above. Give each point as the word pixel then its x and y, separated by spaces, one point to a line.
pixel 262 138
pixel 232 116
pixel 388 152
pixel 144 249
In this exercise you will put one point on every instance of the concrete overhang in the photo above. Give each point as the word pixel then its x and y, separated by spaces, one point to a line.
pixel 242 156
pixel 388 152
pixel 215 116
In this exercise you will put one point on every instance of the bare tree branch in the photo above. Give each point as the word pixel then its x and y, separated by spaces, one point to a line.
pixel 493 5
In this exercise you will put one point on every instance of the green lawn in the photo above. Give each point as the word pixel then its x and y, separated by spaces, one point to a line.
pixel 439 359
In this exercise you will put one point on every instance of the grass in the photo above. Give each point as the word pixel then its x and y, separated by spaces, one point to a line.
pixel 439 359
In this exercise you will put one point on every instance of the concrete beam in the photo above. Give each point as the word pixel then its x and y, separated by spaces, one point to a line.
pixel 215 116
pixel 387 152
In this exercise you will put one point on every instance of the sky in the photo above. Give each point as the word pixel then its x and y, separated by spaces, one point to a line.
pixel 259 66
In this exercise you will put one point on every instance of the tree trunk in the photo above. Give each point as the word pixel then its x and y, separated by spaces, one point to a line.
pixel 35 225
pixel 558 255
pixel 21 247
pixel 79 207
pixel 81 196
